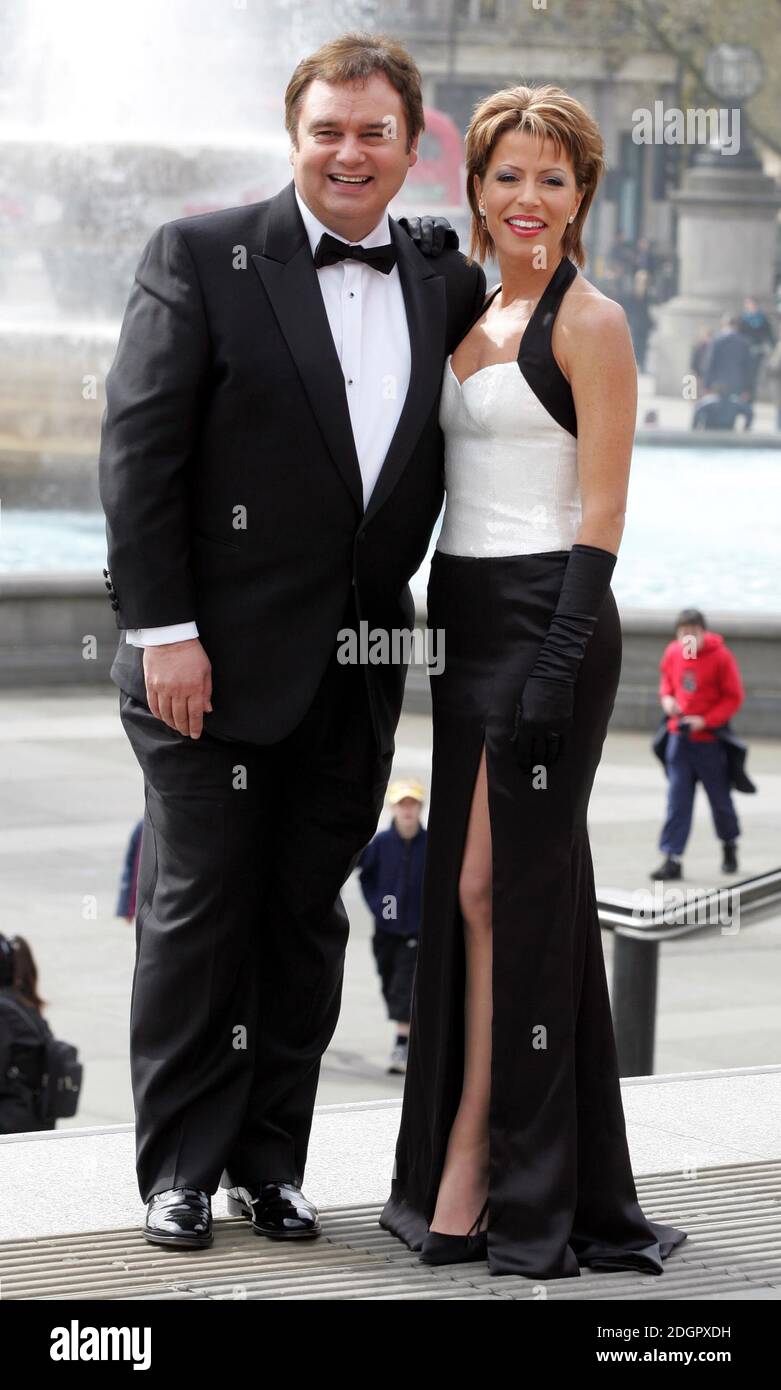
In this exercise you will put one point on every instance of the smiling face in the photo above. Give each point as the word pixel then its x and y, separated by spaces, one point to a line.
pixel 352 155
pixel 528 191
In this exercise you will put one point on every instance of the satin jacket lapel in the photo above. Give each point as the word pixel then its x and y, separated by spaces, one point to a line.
pixel 287 272
pixel 426 307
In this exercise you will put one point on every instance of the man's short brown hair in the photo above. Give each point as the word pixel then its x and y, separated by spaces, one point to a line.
pixel 354 58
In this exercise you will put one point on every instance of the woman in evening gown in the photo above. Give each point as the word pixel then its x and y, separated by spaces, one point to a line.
pixel 512 1146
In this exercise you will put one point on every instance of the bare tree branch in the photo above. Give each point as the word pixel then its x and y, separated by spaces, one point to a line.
pixel 644 10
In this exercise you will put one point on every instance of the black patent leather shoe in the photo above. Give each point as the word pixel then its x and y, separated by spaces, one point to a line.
pixel 276 1209
pixel 180 1216
pixel 441 1248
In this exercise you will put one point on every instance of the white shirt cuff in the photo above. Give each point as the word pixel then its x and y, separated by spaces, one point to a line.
pixel 158 636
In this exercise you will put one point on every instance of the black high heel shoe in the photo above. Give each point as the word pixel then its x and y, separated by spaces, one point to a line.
pixel 439 1248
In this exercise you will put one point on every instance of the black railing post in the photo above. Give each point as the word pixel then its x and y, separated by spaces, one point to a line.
pixel 635 969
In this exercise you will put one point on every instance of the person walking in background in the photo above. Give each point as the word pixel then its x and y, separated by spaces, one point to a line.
pixel 639 316
pixel 755 327
pixel 700 689
pixel 718 410
pixel 621 261
pixel 773 369
pixel 645 257
pixel 727 365
pixel 126 902
pixel 391 878
pixel 23 1031
pixel 698 355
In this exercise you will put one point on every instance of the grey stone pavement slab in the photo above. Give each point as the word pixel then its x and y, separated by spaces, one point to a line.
pixel 676 1124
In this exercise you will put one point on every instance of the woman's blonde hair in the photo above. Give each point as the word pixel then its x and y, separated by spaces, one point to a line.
pixel 544 111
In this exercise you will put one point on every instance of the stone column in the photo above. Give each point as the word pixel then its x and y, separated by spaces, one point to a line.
pixel 727 228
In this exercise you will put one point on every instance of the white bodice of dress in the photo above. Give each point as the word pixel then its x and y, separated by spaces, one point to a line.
pixel 511 474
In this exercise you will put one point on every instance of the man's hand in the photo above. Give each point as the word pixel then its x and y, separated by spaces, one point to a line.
pixel 430 234
pixel 178 679
pixel 693 722
pixel 670 704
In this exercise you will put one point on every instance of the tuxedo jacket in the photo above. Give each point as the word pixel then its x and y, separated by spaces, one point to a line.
pixel 227 392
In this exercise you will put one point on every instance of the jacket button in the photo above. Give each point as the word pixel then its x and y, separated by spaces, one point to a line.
pixel 114 603
pixel 105 574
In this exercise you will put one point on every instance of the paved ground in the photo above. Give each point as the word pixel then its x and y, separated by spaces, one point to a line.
pixel 71 791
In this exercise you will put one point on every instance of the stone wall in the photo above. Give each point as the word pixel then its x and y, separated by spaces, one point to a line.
pixel 47 623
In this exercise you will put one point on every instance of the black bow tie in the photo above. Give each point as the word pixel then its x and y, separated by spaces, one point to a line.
pixel 329 251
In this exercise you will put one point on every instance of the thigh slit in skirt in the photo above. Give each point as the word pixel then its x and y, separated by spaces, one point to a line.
pixel 561 1189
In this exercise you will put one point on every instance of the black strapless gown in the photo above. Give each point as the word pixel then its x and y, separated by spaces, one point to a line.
pixel 561 1189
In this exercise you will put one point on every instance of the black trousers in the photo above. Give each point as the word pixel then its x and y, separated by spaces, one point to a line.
pixel 241 933
pixel 396 958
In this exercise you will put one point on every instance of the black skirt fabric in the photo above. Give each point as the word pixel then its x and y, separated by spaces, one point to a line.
pixel 561 1189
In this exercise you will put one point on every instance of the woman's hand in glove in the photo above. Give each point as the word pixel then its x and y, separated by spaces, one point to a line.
pixel 545 712
pixel 542 719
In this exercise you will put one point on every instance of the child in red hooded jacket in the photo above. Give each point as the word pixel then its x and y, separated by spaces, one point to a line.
pixel 700 689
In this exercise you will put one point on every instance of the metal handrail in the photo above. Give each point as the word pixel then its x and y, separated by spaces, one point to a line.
pixel 754 895
pixel 636 953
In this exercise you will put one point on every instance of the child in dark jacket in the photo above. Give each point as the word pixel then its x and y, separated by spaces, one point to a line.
pixel 391 877
pixel 126 902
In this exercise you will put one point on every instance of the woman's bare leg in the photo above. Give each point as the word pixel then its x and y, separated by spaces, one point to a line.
pixel 464 1183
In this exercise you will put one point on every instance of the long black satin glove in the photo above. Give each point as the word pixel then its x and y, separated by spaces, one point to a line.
pixel 543 718
pixel 430 234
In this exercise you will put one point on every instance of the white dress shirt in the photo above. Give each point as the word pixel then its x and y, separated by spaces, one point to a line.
pixel 368 323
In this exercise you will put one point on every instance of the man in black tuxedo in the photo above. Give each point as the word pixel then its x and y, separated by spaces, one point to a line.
pixel 271 471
